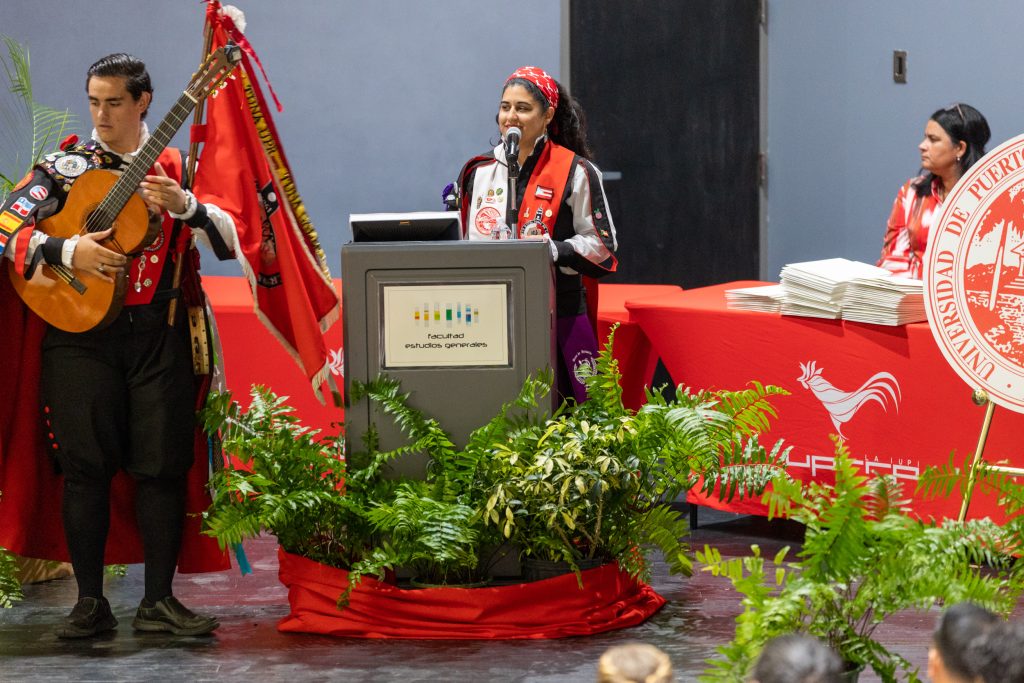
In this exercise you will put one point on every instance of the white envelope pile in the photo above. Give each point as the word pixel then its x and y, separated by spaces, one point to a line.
pixel 836 288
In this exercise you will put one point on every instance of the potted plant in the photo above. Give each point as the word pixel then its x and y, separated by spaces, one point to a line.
pixel 594 484
pixel 590 481
pixel 864 558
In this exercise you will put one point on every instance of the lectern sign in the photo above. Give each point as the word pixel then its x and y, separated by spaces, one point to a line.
pixel 445 325
pixel 974 269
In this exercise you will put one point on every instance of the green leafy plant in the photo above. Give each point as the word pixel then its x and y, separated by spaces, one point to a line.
pixel 864 558
pixel 28 129
pixel 589 482
pixel 596 482
pixel 10 586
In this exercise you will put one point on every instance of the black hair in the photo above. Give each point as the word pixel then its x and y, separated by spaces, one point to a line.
pixel 957 627
pixel 797 659
pixel 121 65
pixel 568 128
pixel 997 656
pixel 962 122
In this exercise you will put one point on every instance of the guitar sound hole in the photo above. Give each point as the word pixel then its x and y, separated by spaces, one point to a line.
pixel 98 220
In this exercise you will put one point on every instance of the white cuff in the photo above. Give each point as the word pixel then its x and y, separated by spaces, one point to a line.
pixel 190 207
pixel 67 251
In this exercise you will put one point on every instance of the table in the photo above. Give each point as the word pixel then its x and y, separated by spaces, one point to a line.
pixel 705 345
pixel 253 356
pixel 636 356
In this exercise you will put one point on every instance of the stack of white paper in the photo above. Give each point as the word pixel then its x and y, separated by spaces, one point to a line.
pixel 884 300
pixel 815 288
pixel 767 298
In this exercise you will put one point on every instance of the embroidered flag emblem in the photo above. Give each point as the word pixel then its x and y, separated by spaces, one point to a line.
pixel 22 207
pixel 9 222
pixel 544 192
pixel 38 192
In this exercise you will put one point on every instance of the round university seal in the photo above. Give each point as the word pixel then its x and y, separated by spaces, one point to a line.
pixel 974 270
pixel 486 220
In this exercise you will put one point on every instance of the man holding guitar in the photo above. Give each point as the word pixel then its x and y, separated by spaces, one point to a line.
pixel 121 394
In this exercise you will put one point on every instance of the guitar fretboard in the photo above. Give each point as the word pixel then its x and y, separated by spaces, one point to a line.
pixel 104 215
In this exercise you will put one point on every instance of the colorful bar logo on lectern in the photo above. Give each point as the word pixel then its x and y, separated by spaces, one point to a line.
pixel 446 314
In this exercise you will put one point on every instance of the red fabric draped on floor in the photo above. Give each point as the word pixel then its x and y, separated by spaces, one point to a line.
pixel 552 608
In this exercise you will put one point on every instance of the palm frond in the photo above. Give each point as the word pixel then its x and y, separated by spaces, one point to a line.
pixel 28 129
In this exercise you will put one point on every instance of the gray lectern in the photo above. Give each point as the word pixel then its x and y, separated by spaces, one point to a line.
pixel 460 325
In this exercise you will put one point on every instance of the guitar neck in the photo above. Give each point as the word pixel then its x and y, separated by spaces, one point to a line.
pixel 129 181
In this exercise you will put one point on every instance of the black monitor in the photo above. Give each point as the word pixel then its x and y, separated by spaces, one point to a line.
pixel 419 226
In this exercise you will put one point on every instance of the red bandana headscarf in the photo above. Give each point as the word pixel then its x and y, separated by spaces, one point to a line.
pixel 540 78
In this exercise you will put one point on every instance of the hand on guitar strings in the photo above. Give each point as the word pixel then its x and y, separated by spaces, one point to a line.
pixel 162 193
pixel 92 256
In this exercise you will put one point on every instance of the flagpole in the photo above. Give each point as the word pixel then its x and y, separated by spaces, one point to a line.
pixel 190 169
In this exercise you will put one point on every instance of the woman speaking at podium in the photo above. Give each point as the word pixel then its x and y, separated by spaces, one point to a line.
pixel 539 183
pixel 954 138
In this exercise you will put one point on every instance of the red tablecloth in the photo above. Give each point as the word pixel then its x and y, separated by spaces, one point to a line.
pixel 632 349
pixel 705 345
pixel 253 356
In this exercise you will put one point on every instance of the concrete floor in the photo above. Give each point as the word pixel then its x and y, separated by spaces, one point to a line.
pixel 698 618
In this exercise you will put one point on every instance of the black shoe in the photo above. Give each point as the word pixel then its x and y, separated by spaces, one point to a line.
pixel 89 617
pixel 171 616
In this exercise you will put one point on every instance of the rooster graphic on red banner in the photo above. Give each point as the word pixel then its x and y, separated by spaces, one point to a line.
pixel 843 405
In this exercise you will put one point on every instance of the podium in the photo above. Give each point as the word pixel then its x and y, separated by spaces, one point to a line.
pixel 461 324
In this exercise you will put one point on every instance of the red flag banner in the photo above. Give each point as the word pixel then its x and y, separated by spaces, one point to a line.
pixel 243 170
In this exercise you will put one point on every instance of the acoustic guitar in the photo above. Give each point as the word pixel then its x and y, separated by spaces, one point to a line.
pixel 76 300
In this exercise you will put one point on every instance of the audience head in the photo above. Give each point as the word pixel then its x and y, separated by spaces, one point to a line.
pixel 958 626
pixel 797 659
pixel 634 663
pixel 997 656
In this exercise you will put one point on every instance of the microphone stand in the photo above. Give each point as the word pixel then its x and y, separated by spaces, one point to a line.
pixel 513 209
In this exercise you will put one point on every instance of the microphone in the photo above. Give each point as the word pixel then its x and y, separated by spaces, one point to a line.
pixel 512 137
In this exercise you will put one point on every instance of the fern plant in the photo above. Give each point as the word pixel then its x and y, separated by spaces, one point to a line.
pixel 864 558
pixel 285 480
pixel 28 129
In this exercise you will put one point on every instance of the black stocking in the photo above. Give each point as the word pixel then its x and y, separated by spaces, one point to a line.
pixel 160 509
pixel 86 513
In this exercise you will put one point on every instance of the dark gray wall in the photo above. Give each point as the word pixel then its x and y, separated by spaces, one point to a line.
pixel 842 137
pixel 384 100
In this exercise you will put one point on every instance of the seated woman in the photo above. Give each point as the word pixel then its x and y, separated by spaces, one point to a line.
pixel 954 139
pixel 560 199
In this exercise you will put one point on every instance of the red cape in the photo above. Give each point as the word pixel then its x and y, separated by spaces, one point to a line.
pixel 31 490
